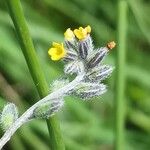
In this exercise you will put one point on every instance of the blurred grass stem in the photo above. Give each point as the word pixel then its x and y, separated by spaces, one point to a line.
pixel 120 75
pixel 28 50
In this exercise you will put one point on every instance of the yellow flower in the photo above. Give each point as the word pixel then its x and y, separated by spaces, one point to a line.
pixel 82 33
pixel 69 35
pixel 57 51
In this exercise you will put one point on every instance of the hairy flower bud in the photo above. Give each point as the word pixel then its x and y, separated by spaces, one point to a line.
pixel 76 67
pixel 83 49
pixel 48 109
pixel 70 56
pixel 98 57
pixel 87 90
pixel 99 73
pixel 8 116
pixel 71 45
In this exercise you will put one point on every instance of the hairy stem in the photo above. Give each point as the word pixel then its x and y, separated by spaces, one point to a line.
pixel 29 113
pixel 16 13
pixel 120 75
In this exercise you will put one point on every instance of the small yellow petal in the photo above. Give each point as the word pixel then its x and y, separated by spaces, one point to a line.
pixel 69 35
pixel 55 44
pixel 52 51
pixel 88 28
pixel 55 57
pixel 82 33
pixel 57 51
pixel 75 31
pixel 80 28
pixel 78 34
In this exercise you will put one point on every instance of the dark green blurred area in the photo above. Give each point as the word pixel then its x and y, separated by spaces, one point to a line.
pixel 85 125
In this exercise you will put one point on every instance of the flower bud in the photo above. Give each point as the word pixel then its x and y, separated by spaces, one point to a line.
pixel 8 116
pixel 71 45
pixel 70 56
pixel 76 67
pixel 98 57
pixel 87 90
pixel 99 73
pixel 83 49
pixel 48 109
pixel 111 45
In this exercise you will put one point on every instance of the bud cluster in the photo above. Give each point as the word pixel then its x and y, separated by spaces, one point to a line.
pixel 82 58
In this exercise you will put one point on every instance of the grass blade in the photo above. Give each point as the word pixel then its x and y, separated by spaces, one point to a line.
pixel 120 75
pixel 28 50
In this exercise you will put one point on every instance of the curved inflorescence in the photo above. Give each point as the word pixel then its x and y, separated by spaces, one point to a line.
pixel 81 59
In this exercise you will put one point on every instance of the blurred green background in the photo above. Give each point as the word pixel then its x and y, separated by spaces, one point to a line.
pixel 85 125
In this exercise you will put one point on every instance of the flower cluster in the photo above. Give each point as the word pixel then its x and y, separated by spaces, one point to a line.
pixel 81 57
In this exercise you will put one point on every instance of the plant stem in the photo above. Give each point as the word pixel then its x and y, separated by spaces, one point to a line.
pixel 28 50
pixel 29 113
pixel 120 75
